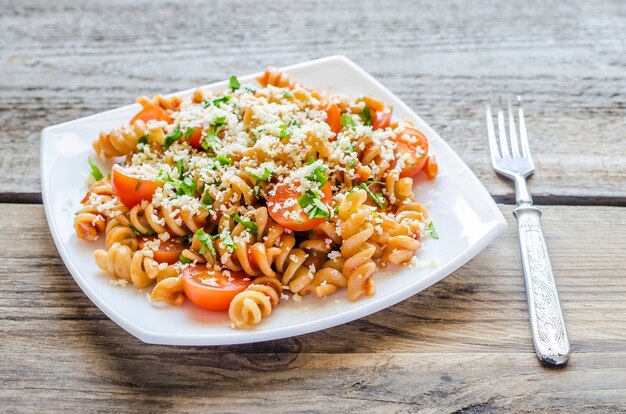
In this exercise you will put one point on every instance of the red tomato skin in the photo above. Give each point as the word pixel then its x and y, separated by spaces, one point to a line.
pixel 333 116
pixel 131 191
pixel 194 139
pixel 213 298
pixel 381 119
pixel 305 223
pixel 169 251
pixel 415 161
pixel 152 112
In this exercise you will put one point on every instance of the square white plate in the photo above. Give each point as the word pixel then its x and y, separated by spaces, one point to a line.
pixel 465 216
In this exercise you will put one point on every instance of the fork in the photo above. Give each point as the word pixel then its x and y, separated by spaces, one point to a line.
pixel 512 159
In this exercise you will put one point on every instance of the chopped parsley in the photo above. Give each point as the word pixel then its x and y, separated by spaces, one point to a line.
pixel 348 122
pixel 138 233
pixel 217 102
pixel 263 175
pixel 250 225
pixel 207 244
pixel 172 137
pixel 234 83
pixel 223 160
pixel 189 132
pixel 287 130
pixel 207 200
pixel 431 230
pixel 227 240
pixel 95 171
pixel 186 186
pixel 377 199
pixel 212 137
pixel 313 205
pixel 317 174
pixel 351 163
pixel 142 139
pixel 181 168
pixel 183 259
pixel 366 115
pixel 138 185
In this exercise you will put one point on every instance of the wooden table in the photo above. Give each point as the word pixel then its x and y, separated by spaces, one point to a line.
pixel 464 344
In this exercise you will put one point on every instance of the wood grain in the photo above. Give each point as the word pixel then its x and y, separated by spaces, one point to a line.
pixel 63 60
pixel 462 345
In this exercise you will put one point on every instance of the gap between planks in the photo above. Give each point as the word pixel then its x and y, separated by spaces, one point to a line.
pixel 566 200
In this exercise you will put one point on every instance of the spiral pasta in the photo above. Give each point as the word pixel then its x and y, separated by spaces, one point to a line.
pixel 256 302
pixel 258 191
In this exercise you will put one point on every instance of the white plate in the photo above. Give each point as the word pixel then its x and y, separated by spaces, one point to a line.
pixel 465 216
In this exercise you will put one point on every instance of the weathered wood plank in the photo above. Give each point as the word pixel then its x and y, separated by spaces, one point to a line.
pixel 463 344
pixel 444 59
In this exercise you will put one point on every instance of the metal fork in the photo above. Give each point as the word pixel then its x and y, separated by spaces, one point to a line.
pixel 512 159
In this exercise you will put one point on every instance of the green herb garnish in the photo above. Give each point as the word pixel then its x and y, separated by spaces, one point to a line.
pixel 183 259
pixel 348 122
pixel 313 205
pixel 207 244
pixel 250 225
pixel 261 176
pixel 227 240
pixel 223 160
pixel 366 115
pixel 377 200
pixel 234 83
pixel 172 137
pixel 431 230
pixel 95 171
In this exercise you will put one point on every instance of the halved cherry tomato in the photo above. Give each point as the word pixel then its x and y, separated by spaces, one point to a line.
pixel 152 112
pixel 412 145
pixel 430 167
pixel 333 115
pixel 169 250
pixel 211 289
pixel 296 219
pixel 131 190
pixel 381 119
pixel 379 112
pixel 194 139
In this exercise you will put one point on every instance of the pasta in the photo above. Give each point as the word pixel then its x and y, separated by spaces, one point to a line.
pixel 242 199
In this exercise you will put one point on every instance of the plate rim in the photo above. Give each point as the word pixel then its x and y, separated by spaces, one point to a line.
pixel 251 336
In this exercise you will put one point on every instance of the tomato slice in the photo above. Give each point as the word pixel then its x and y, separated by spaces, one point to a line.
pixel 430 167
pixel 333 115
pixel 152 112
pixel 169 250
pixel 131 190
pixel 381 119
pixel 412 145
pixel 211 289
pixel 380 112
pixel 291 215
pixel 194 139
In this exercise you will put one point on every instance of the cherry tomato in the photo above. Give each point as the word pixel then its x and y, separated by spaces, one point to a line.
pixel 169 251
pixel 131 190
pixel 333 116
pixel 381 119
pixel 379 112
pixel 412 145
pixel 211 289
pixel 430 167
pixel 194 139
pixel 150 112
pixel 299 221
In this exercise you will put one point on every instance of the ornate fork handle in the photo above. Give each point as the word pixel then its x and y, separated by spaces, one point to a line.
pixel 546 318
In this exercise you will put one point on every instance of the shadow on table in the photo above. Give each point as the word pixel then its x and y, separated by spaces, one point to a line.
pixel 423 323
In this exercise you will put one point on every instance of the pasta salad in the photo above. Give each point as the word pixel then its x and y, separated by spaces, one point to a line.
pixel 239 200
